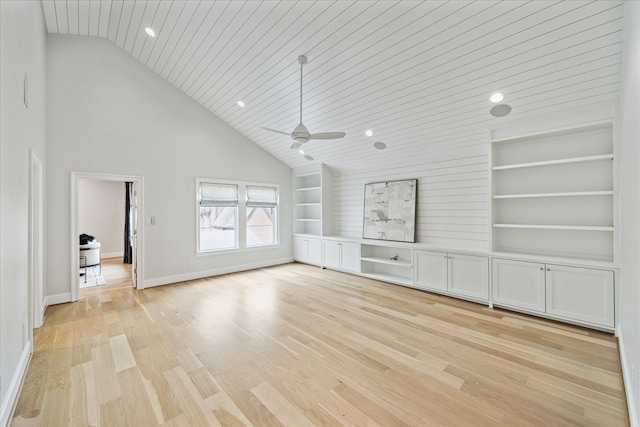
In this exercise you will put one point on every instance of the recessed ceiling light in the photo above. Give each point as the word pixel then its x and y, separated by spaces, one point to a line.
pixel 150 31
pixel 241 104
pixel 308 157
pixel 496 97
pixel 368 132
pixel 380 145
pixel 301 151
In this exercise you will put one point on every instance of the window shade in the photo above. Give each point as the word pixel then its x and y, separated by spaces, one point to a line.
pixel 262 197
pixel 218 194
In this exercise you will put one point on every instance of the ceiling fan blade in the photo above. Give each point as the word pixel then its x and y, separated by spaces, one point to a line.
pixel 295 145
pixel 277 131
pixel 328 135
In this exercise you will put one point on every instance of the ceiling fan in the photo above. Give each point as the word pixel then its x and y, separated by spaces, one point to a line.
pixel 300 134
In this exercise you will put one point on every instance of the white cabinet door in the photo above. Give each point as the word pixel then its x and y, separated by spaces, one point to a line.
pixel 582 294
pixel 430 270
pixel 341 255
pixel 300 249
pixel 331 254
pixel 315 251
pixel 469 276
pixel 350 256
pixel 307 250
pixel 519 284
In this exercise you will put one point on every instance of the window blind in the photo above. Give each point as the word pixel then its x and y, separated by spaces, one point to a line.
pixel 218 194
pixel 262 197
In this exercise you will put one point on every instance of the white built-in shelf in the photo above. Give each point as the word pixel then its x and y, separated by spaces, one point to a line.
pixel 389 261
pixel 555 227
pixel 553 193
pixel 567 194
pixel 312 211
pixel 556 162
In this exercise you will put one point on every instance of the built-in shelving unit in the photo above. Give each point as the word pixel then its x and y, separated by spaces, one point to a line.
pixel 553 205
pixel 311 196
pixel 388 263
pixel 553 193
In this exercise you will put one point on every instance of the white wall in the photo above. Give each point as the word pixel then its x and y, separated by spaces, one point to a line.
pixel 629 298
pixel 22 47
pixel 101 214
pixel 108 113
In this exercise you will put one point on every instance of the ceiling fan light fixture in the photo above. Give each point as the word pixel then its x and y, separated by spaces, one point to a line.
pixel 301 151
pixel 240 104
pixel 368 132
pixel 150 32
pixel 301 134
pixel 379 145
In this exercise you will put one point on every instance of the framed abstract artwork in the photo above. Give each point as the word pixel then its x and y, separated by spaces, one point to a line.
pixel 390 210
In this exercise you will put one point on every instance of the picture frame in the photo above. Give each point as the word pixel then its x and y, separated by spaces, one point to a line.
pixel 390 210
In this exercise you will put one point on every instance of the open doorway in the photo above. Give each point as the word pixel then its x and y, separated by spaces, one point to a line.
pixel 106 238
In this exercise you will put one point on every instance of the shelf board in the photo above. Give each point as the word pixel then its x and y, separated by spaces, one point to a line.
pixel 307 189
pixel 386 277
pixel 555 227
pixel 379 260
pixel 307 219
pixel 556 162
pixel 567 194
pixel 308 204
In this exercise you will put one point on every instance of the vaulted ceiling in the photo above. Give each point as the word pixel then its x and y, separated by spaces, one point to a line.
pixel 418 74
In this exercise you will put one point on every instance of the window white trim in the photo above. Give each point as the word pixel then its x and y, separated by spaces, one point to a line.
pixel 241 220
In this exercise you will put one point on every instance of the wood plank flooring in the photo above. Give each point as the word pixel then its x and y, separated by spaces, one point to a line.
pixel 295 345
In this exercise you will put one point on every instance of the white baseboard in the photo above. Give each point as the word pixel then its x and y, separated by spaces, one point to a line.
pixel 56 299
pixel 149 283
pixel 11 398
pixel 111 255
pixel 628 382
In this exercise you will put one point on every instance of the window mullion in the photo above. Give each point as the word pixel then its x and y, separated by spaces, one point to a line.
pixel 242 216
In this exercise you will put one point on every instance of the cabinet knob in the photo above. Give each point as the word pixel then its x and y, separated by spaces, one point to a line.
pixel 548 269
pixel 541 269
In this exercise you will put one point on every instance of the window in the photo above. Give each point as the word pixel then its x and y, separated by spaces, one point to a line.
pixel 261 215
pixel 236 215
pixel 218 216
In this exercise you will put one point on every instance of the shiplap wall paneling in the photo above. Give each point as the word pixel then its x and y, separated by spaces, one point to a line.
pixel 452 203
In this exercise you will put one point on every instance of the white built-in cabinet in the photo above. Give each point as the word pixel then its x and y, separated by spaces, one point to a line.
pixel 583 295
pixel 580 294
pixel 307 250
pixel 519 284
pixel 553 193
pixel 461 275
pixel 552 232
pixel 341 255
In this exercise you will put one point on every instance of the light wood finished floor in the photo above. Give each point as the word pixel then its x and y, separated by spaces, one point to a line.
pixel 295 345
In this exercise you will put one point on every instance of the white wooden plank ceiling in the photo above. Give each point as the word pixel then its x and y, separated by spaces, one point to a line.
pixel 419 74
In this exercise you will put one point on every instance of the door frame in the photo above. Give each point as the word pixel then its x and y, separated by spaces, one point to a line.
pixel 36 243
pixel 138 185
